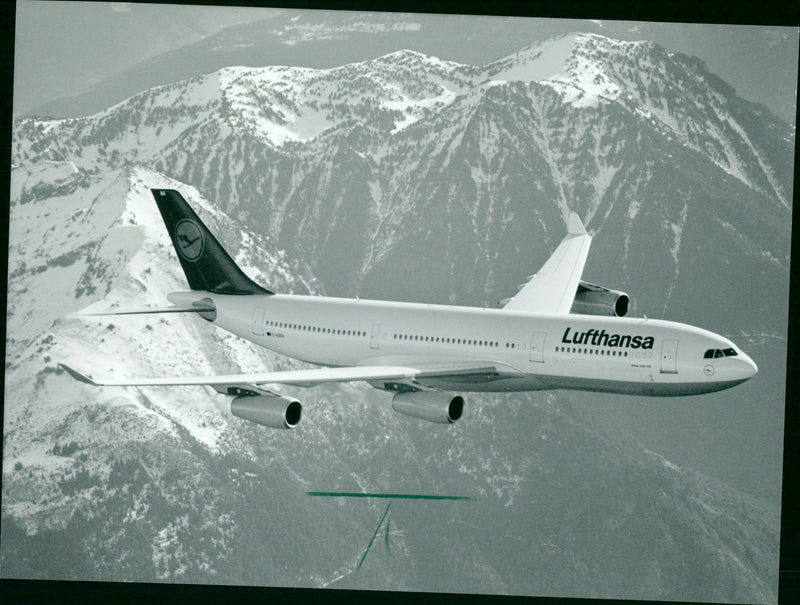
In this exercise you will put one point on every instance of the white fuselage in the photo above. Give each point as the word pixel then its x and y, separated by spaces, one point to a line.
pixel 541 351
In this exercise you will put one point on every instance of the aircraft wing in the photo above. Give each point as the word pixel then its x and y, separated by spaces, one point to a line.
pixel 553 288
pixel 312 377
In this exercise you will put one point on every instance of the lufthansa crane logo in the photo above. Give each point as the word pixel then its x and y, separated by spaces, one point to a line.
pixel 189 239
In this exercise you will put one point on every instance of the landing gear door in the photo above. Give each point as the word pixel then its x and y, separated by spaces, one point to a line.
pixel 669 357
pixel 537 347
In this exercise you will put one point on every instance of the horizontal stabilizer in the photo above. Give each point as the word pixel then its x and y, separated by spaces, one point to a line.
pixel 146 310
pixel 77 375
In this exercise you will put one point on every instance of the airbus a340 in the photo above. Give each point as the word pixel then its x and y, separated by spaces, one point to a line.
pixel 556 333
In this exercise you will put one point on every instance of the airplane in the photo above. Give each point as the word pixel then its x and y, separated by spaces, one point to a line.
pixel 557 332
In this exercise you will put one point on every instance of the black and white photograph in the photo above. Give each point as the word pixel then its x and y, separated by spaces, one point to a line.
pixel 473 304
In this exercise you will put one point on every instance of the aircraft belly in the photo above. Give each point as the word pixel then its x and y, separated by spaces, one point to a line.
pixel 504 385
pixel 635 387
pixel 541 382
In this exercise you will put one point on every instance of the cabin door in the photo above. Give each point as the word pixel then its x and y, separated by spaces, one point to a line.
pixel 257 322
pixel 669 357
pixel 537 347
pixel 374 335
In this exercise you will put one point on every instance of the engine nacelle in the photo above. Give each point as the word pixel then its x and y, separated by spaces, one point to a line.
pixel 433 406
pixel 270 410
pixel 597 300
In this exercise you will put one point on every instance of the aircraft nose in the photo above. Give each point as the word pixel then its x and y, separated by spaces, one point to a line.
pixel 749 368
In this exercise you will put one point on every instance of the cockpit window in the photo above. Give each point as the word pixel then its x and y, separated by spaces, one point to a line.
pixel 716 353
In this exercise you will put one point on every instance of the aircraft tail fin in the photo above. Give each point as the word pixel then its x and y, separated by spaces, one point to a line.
pixel 206 264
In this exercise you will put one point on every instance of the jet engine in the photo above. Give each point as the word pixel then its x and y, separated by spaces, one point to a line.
pixel 597 300
pixel 433 406
pixel 270 410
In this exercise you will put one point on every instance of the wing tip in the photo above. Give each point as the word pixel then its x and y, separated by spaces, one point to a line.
pixel 77 375
pixel 574 225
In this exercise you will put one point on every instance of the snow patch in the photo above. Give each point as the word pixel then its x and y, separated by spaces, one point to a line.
pixel 539 62
pixel 664 462
pixel 414 109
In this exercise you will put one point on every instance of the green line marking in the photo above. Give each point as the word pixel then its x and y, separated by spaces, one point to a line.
pixel 394 496
pixel 386 512
pixel 366 552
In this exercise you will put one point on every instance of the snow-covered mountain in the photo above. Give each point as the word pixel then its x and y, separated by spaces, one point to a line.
pixel 100 243
pixel 604 127
pixel 404 177
pixel 323 39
